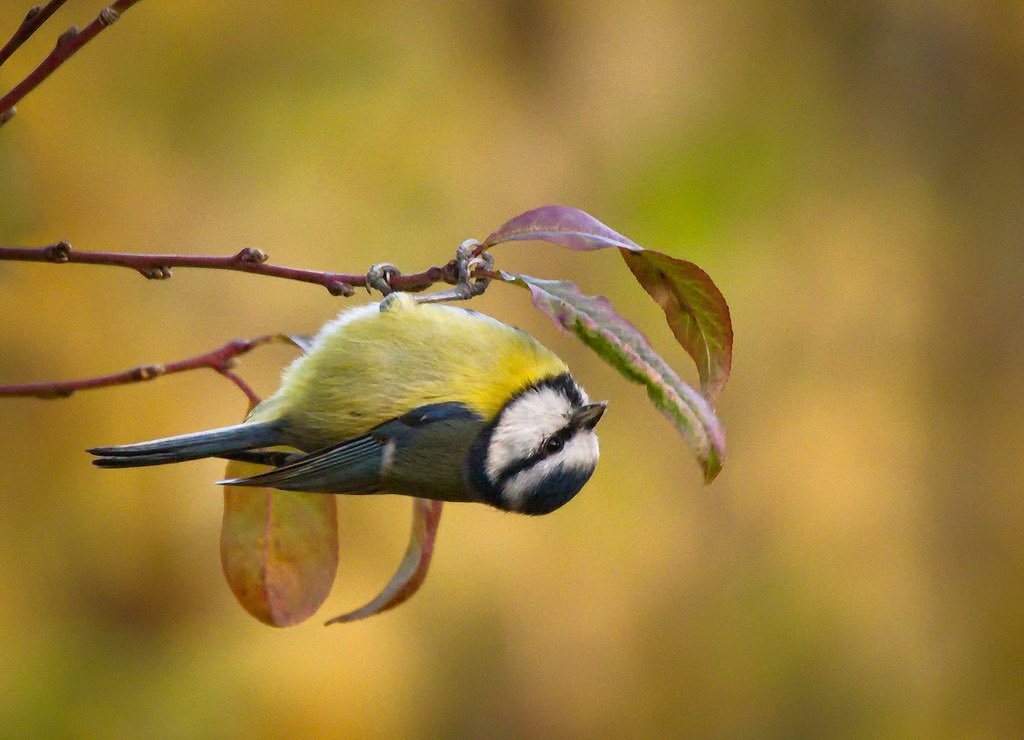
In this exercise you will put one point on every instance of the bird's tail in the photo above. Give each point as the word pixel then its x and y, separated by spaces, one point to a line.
pixel 213 443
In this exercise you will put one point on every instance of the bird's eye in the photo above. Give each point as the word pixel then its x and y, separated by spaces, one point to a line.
pixel 553 445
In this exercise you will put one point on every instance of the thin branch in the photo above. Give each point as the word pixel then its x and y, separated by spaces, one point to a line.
pixel 36 17
pixel 158 267
pixel 242 385
pixel 68 43
pixel 221 359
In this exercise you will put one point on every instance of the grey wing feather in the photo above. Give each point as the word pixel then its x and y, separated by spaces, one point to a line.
pixel 351 467
pixel 437 436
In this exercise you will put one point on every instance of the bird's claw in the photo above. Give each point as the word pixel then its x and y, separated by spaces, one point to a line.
pixel 379 278
pixel 465 263
pixel 466 286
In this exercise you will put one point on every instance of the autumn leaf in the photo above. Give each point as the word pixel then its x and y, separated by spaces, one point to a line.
pixel 696 312
pixel 279 549
pixel 426 515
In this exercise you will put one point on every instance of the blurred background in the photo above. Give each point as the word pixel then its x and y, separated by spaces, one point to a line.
pixel 852 177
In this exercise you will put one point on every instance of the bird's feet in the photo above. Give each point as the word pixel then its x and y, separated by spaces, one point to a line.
pixel 379 278
pixel 466 286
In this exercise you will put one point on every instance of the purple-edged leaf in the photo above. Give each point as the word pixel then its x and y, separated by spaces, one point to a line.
pixel 696 312
pixel 279 549
pixel 561 225
pixel 694 307
pixel 426 515
pixel 594 320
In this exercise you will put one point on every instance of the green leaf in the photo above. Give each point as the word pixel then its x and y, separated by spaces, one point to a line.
pixel 695 310
pixel 279 549
pixel 595 321
pixel 426 515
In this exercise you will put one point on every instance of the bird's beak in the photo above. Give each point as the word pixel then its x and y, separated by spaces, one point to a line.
pixel 586 417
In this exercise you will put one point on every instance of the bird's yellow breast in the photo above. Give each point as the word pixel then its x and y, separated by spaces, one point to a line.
pixel 369 366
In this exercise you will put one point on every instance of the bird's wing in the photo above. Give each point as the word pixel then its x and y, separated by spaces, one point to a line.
pixel 270 458
pixel 356 465
pixel 351 467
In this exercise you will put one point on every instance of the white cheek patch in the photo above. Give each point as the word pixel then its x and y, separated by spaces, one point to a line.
pixel 580 454
pixel 524 425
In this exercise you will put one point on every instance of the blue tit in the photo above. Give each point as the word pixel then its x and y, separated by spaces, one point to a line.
pixel 411 398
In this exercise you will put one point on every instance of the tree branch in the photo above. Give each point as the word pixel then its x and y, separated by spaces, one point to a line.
pixel 68 43
pixel 158 267
pixel 221 359
pixel 36 17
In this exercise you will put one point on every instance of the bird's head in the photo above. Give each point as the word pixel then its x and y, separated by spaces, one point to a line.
pixel 539 450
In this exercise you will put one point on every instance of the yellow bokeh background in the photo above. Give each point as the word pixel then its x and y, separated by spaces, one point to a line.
pixel 852 177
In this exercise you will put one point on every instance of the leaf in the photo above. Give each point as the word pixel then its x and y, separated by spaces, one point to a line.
pixel 694 307
pixel 696 312
pixel 279 549
pixel 594 320
pixel 426 515
pixel 561 225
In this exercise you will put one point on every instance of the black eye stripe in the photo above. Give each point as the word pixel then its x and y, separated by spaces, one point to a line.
pixel 553 445
pixel 489 490
pixel 564 435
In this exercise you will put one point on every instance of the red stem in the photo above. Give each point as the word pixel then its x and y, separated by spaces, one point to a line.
pixel 158 266
pixel 33 20
pixel 243 386
pixel 68 43
pixel 220 359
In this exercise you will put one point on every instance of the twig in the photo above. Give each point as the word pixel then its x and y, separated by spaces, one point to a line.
pixel 242 385
pixel 68 43
pixel 36 17
pixel 221 359
pixel 158 267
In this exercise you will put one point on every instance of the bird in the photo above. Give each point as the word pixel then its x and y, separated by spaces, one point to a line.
pixel 411 398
